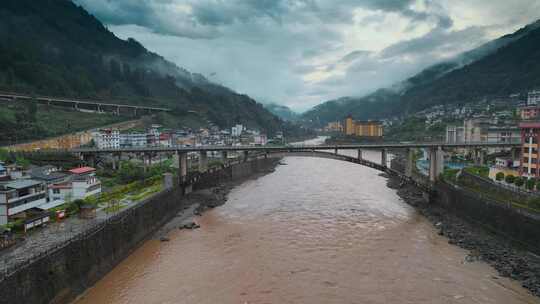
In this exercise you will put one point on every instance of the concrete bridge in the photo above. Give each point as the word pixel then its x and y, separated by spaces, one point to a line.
pixel 83 105
pixel 435 151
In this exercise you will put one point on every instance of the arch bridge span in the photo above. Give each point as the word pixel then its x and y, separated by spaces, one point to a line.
pixel 436 154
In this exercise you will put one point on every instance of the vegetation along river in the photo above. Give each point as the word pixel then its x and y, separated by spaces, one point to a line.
pixel 314 231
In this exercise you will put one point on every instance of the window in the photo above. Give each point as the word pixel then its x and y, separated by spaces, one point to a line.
pixel 56 191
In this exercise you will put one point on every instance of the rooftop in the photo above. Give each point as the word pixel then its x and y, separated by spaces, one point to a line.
pixel 82 170
pixel 20 184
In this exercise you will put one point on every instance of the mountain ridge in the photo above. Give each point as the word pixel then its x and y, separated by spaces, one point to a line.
pixel 405 98
pixel 57 48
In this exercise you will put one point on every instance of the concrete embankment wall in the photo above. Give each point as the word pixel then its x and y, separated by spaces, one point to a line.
pixel 514 223
pixel 65 272
pixel 504 219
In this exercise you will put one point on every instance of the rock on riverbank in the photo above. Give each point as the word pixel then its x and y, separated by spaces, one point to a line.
pixel 508 258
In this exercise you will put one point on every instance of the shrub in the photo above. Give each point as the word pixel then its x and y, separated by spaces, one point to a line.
pixel 509 179
pixel 519 181
pixel 499 176
pixel 530 184
pixel 538 186
pixel 534 203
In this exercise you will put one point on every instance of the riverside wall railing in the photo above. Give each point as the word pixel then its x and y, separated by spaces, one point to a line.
pixel 498 187
pixel 88 232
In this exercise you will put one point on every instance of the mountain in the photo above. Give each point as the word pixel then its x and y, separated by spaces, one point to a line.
pixel 282 112
pixel 56 48
pixel 498 68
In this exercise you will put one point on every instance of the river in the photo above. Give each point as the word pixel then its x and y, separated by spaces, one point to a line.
pixel 314 231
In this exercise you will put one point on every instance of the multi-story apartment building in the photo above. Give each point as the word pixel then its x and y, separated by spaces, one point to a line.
pixel 529 112
pixel 455 134
pixel 530 138
pixel 82 184
pixel 533 98
pixel 18 196
pixel 363 128
pixel 129 140
pixel 504 134
pixel 237 130
pixel 482 130
pixel 107 139
pixel 334 127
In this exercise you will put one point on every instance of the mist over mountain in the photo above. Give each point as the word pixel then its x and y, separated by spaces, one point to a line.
pixel 57 48
pixel 282 111
pixel 500 67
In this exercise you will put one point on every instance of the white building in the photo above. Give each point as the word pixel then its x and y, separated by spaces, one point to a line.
pixel 3 171
pixel 107 139
pixel 153 135
pixel 133 140
pixel 455 134
pixel 20 195
pixel 533 98
pixel 83 184
pixel 508 134
pixel 237 130
pixel 260 140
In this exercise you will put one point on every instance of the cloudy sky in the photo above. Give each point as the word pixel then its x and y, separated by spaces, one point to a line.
pixel 302 52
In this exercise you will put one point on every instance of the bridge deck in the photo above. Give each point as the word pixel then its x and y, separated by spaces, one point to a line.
pixel 374 146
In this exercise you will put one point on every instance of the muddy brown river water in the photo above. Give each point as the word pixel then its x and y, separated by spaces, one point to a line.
pixel 314 231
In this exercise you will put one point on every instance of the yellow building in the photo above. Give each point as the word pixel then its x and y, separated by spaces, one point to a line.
pixel 350 128
pixel 363 128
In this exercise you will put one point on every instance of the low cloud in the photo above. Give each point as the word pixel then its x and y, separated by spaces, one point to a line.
pixel 302 52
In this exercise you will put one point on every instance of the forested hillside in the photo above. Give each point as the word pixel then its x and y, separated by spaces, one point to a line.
pixel 54 47
pixel 501 67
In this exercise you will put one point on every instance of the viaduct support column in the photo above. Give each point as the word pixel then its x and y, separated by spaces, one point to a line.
pixel 245 156
pixel 515 153
pixel 114 166
pixel 482 157
pixel 182 166
pixel 203 161
pixel 336 151
pixel 436 163
pixel 409 164
pixel 145 161
pixel 384 157
pixel 224 158
pixel 359 154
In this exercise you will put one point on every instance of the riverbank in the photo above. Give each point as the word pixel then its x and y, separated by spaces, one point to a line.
pixel 507 257
pixel 62 273
pixel 200 201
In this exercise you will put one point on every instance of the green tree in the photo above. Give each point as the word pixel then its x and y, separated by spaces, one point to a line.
pixel 499 176
pixel 530 184
pixel 509 179
pixel 519 181
pixel 4 155
pixel 23 162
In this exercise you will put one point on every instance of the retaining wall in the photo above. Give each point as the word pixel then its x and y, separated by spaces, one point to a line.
pixel 518 224
pixel 63 273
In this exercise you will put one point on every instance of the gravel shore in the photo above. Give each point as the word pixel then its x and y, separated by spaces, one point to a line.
pixel 506 257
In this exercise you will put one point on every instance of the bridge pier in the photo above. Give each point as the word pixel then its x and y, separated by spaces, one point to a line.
pixel 145 162
pixel 384 157
pixel 436 163
pixel 359 156
pixel 182 166
pixel 336 151
pixel 203 161
pixel 224 158
pixel 409 163
pixel 245 156
pixel 114 164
